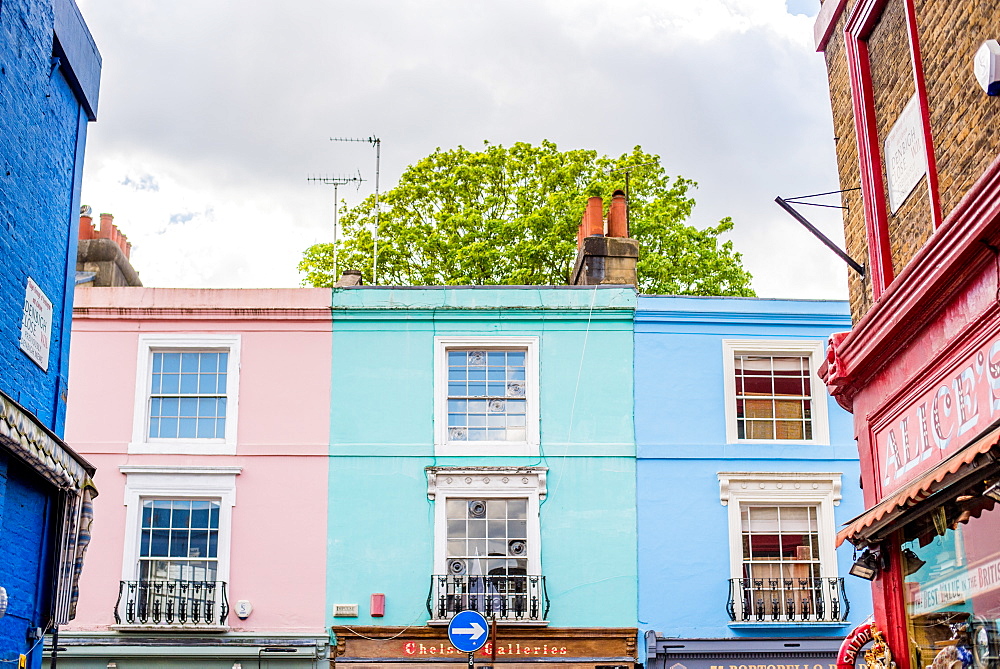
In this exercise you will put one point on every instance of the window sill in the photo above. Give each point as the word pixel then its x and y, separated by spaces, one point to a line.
pixel 495 448
pixel 782 442
pixel 219 629
pixel 500 623
pixel 183 447
pixel 797 625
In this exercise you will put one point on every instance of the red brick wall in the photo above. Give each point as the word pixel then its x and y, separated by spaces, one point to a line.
pixel 964 120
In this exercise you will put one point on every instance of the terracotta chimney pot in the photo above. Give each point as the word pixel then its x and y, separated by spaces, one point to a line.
pixel 618 215
pixel 595 216
pixel 87 227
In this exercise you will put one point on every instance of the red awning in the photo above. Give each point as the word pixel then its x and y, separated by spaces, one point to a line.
pixel 890 508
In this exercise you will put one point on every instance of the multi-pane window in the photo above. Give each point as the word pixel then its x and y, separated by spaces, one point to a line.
pixel 179 540
pixel 773 396
pixel 187 396
pixel 780 542
pixel 486 395
pixel 487 537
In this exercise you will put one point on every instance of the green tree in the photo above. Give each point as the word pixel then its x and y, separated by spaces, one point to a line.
pixel 509 215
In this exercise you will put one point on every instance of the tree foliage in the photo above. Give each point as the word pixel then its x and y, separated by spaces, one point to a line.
pixel 509 215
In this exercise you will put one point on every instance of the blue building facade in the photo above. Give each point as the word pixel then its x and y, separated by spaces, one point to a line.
pixel 49 76
pixel 745 468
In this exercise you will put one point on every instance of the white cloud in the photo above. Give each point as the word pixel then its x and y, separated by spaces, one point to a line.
pixel 228 106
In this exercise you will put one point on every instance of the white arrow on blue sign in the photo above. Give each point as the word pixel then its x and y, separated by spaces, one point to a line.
pixel 467 631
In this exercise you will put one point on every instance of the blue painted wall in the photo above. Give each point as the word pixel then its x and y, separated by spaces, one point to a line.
pixel 26 547
pixel 680 424
pixel 43 123
pixel 381 525
pixel 49 76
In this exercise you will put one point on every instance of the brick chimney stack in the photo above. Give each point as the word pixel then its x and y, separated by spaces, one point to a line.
pixel 605 253
pixel 102 255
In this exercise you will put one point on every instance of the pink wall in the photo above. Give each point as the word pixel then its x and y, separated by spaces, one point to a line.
pixel 279 523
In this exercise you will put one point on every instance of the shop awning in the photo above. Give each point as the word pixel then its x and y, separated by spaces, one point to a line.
pixel 37 447
pixel 886 512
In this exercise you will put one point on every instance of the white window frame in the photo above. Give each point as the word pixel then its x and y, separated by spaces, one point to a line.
pixel 181 482
pixel 444 447
pixel 150 343
pixel 820 490
pixel 814 348
pixel 487 483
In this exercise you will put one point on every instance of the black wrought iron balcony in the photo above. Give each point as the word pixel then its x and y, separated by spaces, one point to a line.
pixel 190 603
pixel 787 600
pixel 506 598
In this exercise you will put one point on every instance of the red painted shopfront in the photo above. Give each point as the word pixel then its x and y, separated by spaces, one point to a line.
pixel 920 370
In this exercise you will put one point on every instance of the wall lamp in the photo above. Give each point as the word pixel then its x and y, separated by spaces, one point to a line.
pixel 993 492
pixel 911 562
pixel 867 566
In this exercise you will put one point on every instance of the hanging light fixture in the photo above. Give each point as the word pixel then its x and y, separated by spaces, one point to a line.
pixel 867 566
pixel 911 562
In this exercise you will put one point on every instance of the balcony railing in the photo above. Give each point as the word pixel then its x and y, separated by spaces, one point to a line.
pixel 191 603
pixel 505 598
pixel 787 600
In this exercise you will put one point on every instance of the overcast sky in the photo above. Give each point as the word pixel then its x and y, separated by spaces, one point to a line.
pixel 213 113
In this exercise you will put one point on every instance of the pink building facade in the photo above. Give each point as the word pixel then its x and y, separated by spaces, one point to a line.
pixel 206 413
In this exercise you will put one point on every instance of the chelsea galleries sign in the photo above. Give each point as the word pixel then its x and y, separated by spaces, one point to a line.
pixel 36 325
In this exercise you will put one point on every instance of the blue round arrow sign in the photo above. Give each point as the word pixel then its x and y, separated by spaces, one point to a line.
pixel 468 631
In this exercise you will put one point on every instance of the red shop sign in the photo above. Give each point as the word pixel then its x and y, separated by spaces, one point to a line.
pixel 959 407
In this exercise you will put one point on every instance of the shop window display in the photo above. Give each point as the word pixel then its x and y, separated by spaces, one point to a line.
pixel 950 560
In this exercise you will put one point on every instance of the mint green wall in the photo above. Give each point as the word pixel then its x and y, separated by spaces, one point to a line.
pixel 381 524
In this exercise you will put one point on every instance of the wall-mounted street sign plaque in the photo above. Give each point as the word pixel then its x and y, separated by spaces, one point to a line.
pixel 36 325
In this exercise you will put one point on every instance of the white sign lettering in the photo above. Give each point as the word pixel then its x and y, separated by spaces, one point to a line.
pixel 905 156
pixel 962 403
pixel 955 589
pixel 36 325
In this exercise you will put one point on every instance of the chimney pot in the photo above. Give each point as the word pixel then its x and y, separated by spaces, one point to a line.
pixel 618 215
pixel 87 227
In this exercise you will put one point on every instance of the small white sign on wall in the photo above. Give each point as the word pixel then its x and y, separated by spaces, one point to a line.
pixel 36 325
pixel 905 155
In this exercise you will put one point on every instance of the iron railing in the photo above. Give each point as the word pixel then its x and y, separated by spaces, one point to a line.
pixel 515 598
pixel 172 603
pixel 787 600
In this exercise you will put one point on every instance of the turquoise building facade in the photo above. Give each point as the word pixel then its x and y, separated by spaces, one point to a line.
pixel 482 456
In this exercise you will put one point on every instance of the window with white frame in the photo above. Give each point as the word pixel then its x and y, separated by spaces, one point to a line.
pixel 487 544
pixel 782 560
pixel 186 394
pixel 179 539
pixel 773 393
pixel 486 395
pixel 487 536
pixel 177 542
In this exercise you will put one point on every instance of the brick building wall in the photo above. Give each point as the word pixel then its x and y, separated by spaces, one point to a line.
pixel 42 129
pixel 859 290
pixel 49 73
pixel 963 119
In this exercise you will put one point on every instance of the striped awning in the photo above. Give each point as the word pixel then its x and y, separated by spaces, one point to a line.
pixel 40 449
pixel 24 436
pixel 860 530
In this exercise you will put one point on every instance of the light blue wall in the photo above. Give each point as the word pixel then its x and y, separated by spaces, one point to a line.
pixel 381 525
pixel 680 426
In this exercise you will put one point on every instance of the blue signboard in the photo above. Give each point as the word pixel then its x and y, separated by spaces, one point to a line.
pixel 468 631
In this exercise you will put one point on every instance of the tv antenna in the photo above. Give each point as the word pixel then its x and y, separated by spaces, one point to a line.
pixel 336 182
pixel 377 143
pixel 628 193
